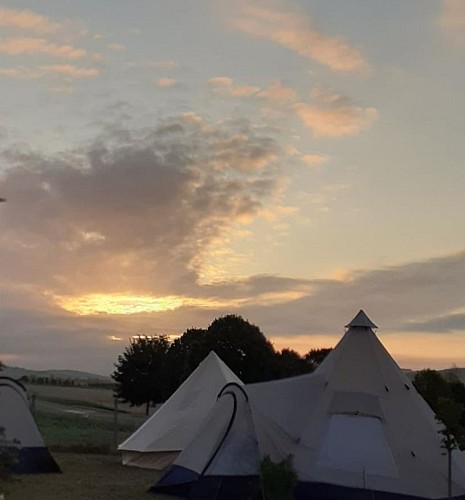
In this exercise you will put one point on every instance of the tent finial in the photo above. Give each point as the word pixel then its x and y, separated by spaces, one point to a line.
pixel 361 320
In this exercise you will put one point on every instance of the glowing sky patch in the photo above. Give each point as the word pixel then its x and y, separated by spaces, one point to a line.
pixel 118 304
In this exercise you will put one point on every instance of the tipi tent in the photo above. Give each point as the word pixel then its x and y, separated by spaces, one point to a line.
pixel 20 430
pixel 221 461
pixel 356 429
pixel 160 439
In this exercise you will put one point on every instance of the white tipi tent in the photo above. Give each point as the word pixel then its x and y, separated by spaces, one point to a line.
pixel 20 430
pixel 224 454
pixel 356 428
pixel 160 439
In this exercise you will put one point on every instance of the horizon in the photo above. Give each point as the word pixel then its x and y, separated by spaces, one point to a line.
pixel 287 161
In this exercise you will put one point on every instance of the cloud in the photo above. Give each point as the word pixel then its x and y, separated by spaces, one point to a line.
pixel 34 46
pixel 452 19
pixel 62 89
pixel 290 26
pixel 28 20
pixel 25 73
pixel 330 114
pixel 71 71
pixel 226 85
pixel 277 92
pixel 314 159
pixel 134 211
pixel 168 83
pixel 443 324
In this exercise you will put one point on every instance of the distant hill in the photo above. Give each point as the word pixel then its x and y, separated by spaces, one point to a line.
pixel 17 373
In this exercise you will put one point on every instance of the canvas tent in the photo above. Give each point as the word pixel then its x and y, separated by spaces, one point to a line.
pixel 20 430
pixel 160 439
pixel 356 428
pixel 221 461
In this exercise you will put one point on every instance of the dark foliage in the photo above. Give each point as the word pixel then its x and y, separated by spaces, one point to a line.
pixel 278 479
pixel 151 369
pixel 316 356
pixel 446 397
pixel 139 371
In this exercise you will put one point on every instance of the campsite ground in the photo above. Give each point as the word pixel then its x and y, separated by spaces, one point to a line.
pixel 78 426
pixel 85 476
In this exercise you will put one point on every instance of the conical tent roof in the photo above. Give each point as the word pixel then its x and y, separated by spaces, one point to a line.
pixel 176 422
pixel 361 319
pixel 20 430
pixel 360 425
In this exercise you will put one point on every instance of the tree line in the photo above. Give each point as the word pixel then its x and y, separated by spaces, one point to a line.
pixel 446 397
pixel 152 368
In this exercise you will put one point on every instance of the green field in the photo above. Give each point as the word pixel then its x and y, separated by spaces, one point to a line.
pixel 78 426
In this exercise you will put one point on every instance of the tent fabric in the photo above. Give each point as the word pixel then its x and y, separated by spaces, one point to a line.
pixel 356 428
pixel 159 440
pixel 224 455
pixel 21 432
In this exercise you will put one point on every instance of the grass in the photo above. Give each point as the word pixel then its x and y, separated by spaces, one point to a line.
pixel 83 444
pixel 73 432
pixel 87 477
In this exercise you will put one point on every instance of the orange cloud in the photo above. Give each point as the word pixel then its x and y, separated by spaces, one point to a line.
pixel 278 92
pixel 226 85
pixel 314 159
pixel 73 71
pixel 292 28
pixel 333 115
pixel 167 82
pixel 32 46
pixel 27 20
pixel 452 19
pixel 24 73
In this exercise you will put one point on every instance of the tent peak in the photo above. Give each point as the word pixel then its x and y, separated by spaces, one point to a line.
pixel 361 320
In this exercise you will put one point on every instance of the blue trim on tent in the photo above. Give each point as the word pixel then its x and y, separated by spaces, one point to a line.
pixel 209 487
pixel 226 488
pixel 35 461
pixel 177 474
pixel 325 491
pixel 241 487
pixel 177 480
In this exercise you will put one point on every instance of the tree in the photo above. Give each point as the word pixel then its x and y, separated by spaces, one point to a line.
pixel 315 357
pixel 289 363
pixel 431 386
pixel 139 373
pixel 183 356
pixel 243 347
pixel 446 396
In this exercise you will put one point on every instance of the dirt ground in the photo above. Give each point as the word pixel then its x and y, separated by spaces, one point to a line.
pixel 85 477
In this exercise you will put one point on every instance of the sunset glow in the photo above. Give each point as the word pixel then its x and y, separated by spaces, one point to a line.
pixel 118 304
pixel 289 161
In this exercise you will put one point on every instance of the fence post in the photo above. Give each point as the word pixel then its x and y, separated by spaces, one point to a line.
pixel 115 424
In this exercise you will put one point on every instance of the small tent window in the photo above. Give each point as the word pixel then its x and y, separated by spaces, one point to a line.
pixel 358 444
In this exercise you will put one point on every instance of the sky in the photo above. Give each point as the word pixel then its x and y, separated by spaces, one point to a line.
pixel 167 162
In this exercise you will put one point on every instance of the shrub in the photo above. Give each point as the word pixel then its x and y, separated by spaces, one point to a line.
pixel 278 479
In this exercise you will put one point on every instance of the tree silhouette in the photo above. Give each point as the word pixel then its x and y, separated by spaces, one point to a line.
pixel 139 373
